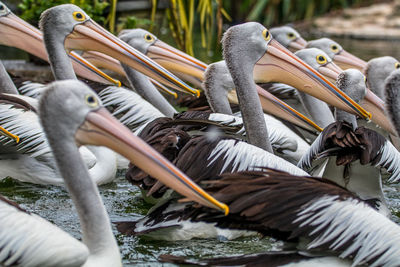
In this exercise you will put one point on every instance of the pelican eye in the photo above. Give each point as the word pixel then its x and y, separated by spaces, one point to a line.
pixel 91 100
pixel 291 35
pixel 78 16
pixel 397 65
pixel 1 7
pixel 334 48
pixel 266 35
pixel 321 59
pixel 149 38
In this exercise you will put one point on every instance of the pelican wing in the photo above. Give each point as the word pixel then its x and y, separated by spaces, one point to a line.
pixel 290 207
pixel 221 154
pixel 130 108
pixel 31 89
pixel 363 144
pixel 25 124
pixel 388 157
pixel 29 240
pixel 280 90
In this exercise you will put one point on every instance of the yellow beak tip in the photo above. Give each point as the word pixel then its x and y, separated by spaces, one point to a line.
pixel 119 84
pixel 225 208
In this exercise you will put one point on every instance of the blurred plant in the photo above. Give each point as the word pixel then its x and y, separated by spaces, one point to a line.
pixel 131 22
pixel 271 12
pixel 96 9
pixel 181 17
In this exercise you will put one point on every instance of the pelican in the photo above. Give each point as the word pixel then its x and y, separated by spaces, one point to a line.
pixel 20 34
pixel 181 64
pixel 288 37
pixel 377 70
pixel 335 51
pixel 218 85
pixel 67 27
pixel 316 217
pixel 32 160
pixel 347 146
pixel 319 110
pixel 28 240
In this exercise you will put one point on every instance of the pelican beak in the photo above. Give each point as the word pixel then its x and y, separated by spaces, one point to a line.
pixel 103 61
pixel 90 36
pixel 181 64
pixel 101 128
pixel 17 33
pixel 283 66
pixel 371 102
pixel 297 44
pixel 6 133
pixel 274 106
pixel 345 60
pixel 331 71
pixel 163 88
pixel 90 67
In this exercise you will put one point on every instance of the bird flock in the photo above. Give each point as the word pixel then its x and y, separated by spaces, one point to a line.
pixel 285 138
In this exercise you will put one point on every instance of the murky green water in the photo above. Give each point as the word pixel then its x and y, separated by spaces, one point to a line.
pixel 123 201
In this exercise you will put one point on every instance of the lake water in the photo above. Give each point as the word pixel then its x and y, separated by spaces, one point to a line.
pixel 123 200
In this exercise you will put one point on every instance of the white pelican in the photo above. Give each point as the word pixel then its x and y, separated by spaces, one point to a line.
pixel 288 37
pixel 17 33
pixel 355 154
pixel 28 240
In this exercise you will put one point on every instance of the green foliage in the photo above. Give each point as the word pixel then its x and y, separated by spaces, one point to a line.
pixel 184 16
pixel 102 12
pixel 131 22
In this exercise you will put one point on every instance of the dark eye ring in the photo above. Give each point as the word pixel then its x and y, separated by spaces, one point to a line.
pixel 1 7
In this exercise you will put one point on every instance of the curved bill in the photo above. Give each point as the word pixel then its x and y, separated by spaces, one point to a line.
pixel 17 33
pixel 280 65
pixel 371 102
pixel 345 60
pixel 181 64
pixel 103 61
pixel 163 88
pixel 297 44
pixel 101 128
pixel 6 133
pixel 90 36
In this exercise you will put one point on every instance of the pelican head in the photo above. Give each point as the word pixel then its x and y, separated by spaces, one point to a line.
pixel 68 26
pixel 90 123
pixel 377 70
pixel 288 37
pixel 353 83
pixel 320 61
pixel 249 48
pixel 178 62
pixel 392 98
pixel 336 52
